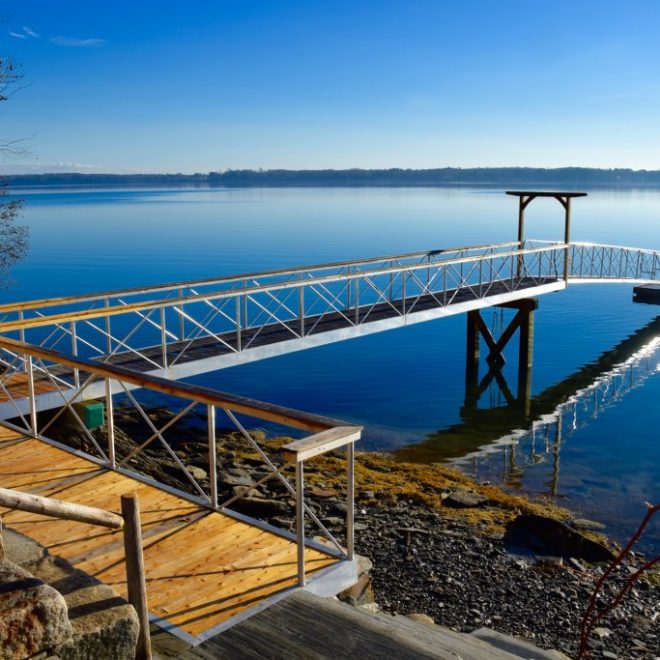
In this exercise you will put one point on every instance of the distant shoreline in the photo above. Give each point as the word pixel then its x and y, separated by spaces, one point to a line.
pixel 520 177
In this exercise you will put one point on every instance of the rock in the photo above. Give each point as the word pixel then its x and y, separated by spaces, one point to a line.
pixel 322 493
pixel 587 525
pixel 361 593
pixel 196 472
pixel 244 491
pixel 228 479
pixel 549 536
pixel 463 499
pixel 602 632
pixel 258 507
pixel 103 625
pixel 421 618
pixel 366 495
pixel 33 616
pixel 575 563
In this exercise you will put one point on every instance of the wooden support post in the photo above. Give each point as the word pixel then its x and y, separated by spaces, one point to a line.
pixel 521 221
pixel 567 237
pixel 472 359
pixel 525 360
pixel 137 588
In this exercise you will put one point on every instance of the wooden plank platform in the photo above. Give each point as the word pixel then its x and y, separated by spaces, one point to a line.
pixel 203 568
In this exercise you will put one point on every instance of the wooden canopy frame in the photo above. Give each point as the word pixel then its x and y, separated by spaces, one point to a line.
pixel 524 199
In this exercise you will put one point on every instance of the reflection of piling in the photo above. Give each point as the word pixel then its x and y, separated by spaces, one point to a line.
pixel 554 483
pixel 523 322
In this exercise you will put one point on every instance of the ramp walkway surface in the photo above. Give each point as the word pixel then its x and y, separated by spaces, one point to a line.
pixel 203 568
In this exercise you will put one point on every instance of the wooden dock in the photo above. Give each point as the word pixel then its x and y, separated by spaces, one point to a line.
pixel 204 569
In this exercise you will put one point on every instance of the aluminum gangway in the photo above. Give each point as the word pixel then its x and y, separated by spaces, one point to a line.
pixel 187 328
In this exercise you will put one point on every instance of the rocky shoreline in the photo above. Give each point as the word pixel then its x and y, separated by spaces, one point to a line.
pixel 465 554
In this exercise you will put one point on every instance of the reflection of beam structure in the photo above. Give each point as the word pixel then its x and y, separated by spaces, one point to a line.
pixel 594 386
pixel 576 412
pixel 523 322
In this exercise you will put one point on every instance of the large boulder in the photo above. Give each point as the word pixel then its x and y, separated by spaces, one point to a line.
pixel 33 615
pixel 546 536
pixel 102 624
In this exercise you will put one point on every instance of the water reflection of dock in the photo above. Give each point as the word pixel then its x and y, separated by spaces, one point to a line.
pixel 528 431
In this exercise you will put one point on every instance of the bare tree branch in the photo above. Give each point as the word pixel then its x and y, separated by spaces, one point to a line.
pixel 13 237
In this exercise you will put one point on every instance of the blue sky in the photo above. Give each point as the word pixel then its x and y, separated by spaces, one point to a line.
pixel 210 85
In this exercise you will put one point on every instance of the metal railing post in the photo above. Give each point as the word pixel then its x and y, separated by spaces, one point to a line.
pixel 182 321
pixel 245 305
pixel 301 305
pixel 21 332
pixel 110 423
pixel 108 328
pixel 300 521
pixel 404 277
pixel 163 337
pixel 31 398
pixel 356 297
pixel 238 324
pixel 74 351
pixel 350 500
pixel 213 457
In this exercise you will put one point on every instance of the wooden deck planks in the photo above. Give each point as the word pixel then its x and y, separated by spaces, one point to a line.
pixel 202 567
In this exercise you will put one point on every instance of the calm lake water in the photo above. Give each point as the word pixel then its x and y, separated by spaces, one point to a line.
pixel 406 386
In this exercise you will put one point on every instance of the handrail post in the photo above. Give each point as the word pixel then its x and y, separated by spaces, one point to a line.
pixel 245 304
pixel 300 521
pixel 238 324
pixel 213 457
pixel 110 422
pixel 350 500
pixel 21 332
pixel 31 397
pixel 163 336
pixel 301 305
pixel 74 351
pixel 108 329
pixel 182 321
pixel 356 297
pixel 135 578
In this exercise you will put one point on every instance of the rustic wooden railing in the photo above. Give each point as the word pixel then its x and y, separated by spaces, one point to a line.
pixel 128 521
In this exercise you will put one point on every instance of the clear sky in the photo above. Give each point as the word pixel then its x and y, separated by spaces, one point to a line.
pixel 213 84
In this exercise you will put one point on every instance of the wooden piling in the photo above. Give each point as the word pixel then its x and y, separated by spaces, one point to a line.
pixel 136 583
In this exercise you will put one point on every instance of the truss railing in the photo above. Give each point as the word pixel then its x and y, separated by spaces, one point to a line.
pixel 191 411
pixel 161 327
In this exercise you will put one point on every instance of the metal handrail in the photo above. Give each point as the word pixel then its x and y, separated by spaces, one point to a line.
pixel 240 404
pixel 103 312
pixel 117 378
pixel 173 286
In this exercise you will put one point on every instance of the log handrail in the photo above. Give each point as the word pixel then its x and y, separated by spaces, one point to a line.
pixel 47 506
pixel 128 522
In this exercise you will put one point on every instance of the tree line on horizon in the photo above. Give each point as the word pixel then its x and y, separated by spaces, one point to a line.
pixel 445 176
